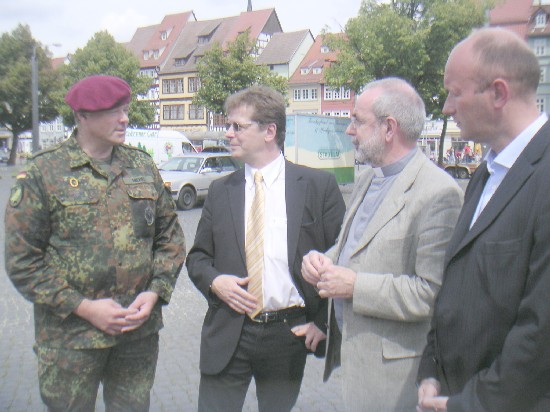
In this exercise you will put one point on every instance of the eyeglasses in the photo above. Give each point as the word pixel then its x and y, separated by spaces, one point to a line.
pixel 237 127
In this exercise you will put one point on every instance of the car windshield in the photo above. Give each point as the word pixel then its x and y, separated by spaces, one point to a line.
pixel 182 164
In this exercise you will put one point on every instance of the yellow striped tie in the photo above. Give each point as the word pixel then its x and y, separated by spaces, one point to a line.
pixel 254 244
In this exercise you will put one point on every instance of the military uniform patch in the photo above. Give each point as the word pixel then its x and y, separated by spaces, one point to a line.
pixel 149 216
pixel 16 195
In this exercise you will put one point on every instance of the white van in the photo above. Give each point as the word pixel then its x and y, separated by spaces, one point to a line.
pixel 162 145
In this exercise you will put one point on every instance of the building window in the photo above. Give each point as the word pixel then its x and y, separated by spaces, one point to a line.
pixel 542 75
pixel 317 70
pixel 305 94
pixel 173 111
pixel 194 85
pixel 156 54
pixel 337 94
pixel 180 62
pixel 304 70
pixel 146 55
pixel 540 45
pixel 325 49
pixel 540 19
pixel 196 112
pixel 163 35
pixel 172 86
pixel 540 104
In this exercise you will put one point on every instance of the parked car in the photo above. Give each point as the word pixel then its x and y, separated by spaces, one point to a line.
pixel 216 149
pixel 189 176
pixel 4 156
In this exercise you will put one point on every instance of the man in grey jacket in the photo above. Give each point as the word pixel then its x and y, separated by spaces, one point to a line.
pixel 384 272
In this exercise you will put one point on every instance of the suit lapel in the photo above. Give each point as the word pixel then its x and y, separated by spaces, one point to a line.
pixel 393 202
pixel 473 194
pixel 295 192
pixel 364 182
pixel 235 187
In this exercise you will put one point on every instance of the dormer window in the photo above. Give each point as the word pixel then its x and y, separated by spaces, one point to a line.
pixel 180 62
pixel 203 39
pixel 325 49
pixel 146 55
pixel 304 70
pixel 156 54
pixel 540 19
pixel 317 70
pixel 163 35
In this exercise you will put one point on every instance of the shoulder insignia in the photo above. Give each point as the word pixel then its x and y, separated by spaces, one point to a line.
pixel 16 195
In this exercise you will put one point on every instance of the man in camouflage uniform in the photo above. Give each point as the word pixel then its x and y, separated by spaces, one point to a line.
pixel 93 240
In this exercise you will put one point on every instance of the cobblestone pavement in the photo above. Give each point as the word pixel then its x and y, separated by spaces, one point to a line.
pixel 177 378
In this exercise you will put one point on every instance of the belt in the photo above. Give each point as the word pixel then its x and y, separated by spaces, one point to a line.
pixel 278 315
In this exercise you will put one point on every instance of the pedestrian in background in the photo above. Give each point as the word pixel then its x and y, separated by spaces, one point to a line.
pixel 384 273
pixel 488 348
pixel 256 225
pixel 93 240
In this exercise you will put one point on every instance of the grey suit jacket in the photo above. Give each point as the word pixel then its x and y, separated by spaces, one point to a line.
pixel 314 207
pixel 490 339
pixel 399 265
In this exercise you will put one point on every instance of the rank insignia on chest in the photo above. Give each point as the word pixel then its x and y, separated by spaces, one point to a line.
pixel 16 195
pixel 149 216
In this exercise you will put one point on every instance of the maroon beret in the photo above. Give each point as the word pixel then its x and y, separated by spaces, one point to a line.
pixel 95 93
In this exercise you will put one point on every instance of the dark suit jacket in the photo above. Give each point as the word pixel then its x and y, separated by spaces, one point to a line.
pixel 490 339
pixel 315 209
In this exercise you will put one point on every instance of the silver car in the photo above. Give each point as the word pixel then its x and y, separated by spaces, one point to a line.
pixel 188 177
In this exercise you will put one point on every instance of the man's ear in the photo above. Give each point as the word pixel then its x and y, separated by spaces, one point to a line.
pixel 391 128
pixel 271 131
pixel 500 92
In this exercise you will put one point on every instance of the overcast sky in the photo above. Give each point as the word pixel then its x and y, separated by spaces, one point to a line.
pixel 73 23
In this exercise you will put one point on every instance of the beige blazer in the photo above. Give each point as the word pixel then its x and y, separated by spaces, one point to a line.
pixel 399 265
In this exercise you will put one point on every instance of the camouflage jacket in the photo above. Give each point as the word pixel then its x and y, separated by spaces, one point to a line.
pixel 74 232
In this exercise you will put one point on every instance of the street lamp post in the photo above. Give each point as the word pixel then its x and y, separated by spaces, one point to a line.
pixel 34 100
pixel 34 90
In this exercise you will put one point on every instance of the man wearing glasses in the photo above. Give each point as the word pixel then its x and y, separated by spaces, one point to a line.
pixel 256 225
pixel 386 269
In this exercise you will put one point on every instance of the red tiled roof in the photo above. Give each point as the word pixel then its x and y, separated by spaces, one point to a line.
pixel 314 59
pixel 511 12
pixel 57 61
pixel 149 38
pixel 256 21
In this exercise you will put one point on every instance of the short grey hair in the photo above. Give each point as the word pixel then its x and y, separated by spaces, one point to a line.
pixel 402 102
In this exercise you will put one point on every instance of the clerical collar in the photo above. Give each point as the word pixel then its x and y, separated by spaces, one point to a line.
pixel 396 167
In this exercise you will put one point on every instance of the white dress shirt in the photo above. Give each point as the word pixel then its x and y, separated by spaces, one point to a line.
pixel 499 164
pixel 279 290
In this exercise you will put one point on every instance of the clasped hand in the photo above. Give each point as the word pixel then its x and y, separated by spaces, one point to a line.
pixel 330 280
pixel 113 319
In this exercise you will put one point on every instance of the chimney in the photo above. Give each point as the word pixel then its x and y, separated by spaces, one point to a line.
pixel 249 8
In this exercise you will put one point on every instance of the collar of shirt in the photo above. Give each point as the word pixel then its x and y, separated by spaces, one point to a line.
pixel 270 172
pixel 504 160
pixel 395 167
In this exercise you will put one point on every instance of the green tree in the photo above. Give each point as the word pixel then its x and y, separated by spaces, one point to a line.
pixel 225 72
pixel 410 39
pixel 103 55
pixel 16 49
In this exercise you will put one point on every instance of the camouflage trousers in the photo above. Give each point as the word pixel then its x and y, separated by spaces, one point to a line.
pixel 69 379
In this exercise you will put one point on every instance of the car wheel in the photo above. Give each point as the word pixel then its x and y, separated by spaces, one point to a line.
pixel 187 198
pixel 451 171
pixel 462 173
